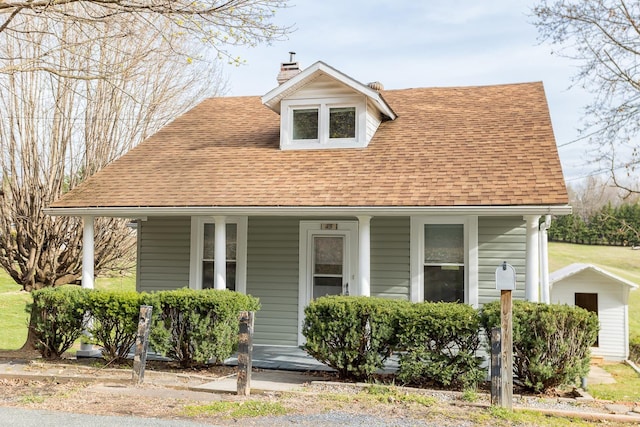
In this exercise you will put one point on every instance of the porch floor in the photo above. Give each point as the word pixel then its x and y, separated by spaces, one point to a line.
pixel 281 358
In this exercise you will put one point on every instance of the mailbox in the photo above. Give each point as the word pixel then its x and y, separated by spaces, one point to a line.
pixel 505 277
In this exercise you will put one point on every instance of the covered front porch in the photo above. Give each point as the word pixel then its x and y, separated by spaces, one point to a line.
pixel 274 255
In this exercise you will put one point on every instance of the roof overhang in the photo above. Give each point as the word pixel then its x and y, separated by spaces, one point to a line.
pixel 577 268
pixel 311 211
pixel 273 98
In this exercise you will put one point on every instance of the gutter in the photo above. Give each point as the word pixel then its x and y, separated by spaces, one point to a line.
pixel 317 211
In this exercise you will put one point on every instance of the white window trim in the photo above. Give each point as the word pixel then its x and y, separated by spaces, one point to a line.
pixel 196 252
pixel 323 105
pixel 307 230
pixel 470 225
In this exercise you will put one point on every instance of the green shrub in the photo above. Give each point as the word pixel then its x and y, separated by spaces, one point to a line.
pixel 439 343
pixel 194 327
pixel 550 342
pixel 634 349
pixel 57 319
pixel 114 323
pixel 353 335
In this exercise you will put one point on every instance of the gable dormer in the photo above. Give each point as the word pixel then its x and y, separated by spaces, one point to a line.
pixel 320 107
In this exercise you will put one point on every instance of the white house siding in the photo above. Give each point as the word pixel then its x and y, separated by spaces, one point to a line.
pixel 373 120
pixel 500 239
pixel 611 310
pixel 163 253
pixel 390 253
pixel 272 276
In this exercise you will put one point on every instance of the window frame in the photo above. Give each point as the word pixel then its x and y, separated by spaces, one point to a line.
pixel 324 106
pixel 197 250
pixel 470 233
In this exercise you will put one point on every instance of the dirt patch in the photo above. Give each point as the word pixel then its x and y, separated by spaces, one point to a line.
pixel 166 394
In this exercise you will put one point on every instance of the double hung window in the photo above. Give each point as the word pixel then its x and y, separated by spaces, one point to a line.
pixel 444 259
pixel 444 262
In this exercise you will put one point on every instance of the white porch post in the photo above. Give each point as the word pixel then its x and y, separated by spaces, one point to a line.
pixel 532 277
pixel 545 292
pixel 88 251
pixel 220 253
pixel 364 255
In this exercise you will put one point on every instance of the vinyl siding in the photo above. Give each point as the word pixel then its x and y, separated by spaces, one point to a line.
pixel 373 120
pixel 500 239
pixel 612 338
pixel 272 276
pixel 390 253
pixel 323 87
pixel 163 253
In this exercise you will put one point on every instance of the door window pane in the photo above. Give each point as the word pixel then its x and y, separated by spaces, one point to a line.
pixel 328 255
pixel 328 265
pixel 342 122
pixel 305 123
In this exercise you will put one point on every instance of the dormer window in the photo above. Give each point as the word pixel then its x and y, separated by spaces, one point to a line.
pixel 322 108
pixel 342 122
pixel 326 123
pixel 305 123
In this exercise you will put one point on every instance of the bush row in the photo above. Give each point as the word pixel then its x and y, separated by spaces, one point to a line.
pixel 438 343
pixel 610 225
pixel 187 326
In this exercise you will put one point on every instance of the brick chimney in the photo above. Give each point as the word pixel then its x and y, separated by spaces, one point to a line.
pixel 288 69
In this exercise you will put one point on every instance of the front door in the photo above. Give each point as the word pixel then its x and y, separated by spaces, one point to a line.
pixel 328 262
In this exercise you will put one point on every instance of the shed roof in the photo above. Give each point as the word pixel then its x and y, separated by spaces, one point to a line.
pixel 576 268
pixel 460 146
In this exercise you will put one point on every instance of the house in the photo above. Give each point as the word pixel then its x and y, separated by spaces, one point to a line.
pixel 604 293
pixel 326 185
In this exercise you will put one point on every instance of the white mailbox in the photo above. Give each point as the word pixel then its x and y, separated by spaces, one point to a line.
pixel 505 277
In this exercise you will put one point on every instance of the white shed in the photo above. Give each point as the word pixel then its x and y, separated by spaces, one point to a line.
pixel 606 294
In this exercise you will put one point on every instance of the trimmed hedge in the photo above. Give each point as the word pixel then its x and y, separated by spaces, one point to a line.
pixel 194 327
pixel 114 324
pixel 353 335
pixel 57 319
pixel 439 342
pixel 550 342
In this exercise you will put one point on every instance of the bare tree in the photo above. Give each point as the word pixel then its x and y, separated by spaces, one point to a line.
pixel 56 130
pixel 218 24
pixel 603 37
pixel 590 196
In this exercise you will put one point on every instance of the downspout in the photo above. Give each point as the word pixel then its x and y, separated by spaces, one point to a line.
pixel 544 260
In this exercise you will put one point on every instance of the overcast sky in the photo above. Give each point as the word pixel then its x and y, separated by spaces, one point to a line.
pixel 411 43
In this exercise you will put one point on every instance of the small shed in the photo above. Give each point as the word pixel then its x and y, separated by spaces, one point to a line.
pixel 604 293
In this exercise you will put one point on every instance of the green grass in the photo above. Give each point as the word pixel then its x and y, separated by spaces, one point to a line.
pixel 13 316
pixel 13 302
pixel 625 389
pixel 623 262
pixel 249 408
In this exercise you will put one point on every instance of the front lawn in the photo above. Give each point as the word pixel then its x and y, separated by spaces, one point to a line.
pixel 625 389
pixel 14 318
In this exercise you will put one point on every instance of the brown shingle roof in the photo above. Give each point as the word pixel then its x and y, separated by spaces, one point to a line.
pixel 473 146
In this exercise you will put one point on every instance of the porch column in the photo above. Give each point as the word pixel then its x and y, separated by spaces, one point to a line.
pixel 364 255
pixel 87 252
pixel 532 277
pixel 220 253
pixel 545 296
